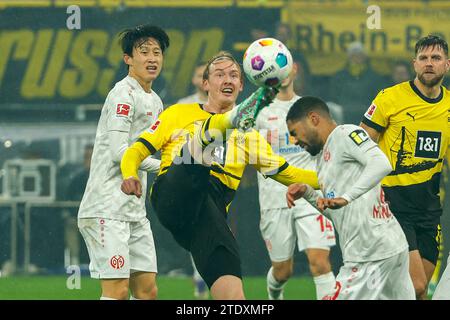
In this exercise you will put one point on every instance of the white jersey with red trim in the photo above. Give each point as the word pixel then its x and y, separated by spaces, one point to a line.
pixel 367 229
pixel 271 124
pixel 130 110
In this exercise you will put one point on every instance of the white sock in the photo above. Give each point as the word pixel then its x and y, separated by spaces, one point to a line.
pixel 275 288
pixel 106 298
pixel 325 285
pixel 133 298
pixel 196 275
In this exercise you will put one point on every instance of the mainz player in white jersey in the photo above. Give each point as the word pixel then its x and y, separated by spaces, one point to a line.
pixel 442 291
pixel 283 228
pixel 350 167
pixel 114 226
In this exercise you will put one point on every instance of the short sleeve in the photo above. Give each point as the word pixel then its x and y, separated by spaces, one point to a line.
pixel 376 117
pixel 356 141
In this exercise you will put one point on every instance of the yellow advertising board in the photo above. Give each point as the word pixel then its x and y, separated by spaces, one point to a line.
pixel 387 29
pixel 43 61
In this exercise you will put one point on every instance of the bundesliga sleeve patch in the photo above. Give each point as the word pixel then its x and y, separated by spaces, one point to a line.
pixel 370 111
pixel 154 126
pixel 359 136
pixel 123 110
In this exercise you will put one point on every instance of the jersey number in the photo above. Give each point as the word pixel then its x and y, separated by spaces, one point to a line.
pixel 324 223
pixel 428 144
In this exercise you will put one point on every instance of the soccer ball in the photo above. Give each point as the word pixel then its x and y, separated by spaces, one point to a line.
pixel 267 62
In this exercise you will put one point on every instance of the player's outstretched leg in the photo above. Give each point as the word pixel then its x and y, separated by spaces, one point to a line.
pixel 242 117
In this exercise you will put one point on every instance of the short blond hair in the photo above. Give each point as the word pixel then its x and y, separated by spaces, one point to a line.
pixel 222 55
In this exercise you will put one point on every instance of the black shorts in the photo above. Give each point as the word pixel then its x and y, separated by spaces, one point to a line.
pixel 188 203
pixel 422 232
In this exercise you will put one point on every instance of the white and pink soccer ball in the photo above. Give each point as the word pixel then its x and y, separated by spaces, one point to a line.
pixel 267 62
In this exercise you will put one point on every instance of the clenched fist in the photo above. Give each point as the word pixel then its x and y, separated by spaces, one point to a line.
pixel 333 203
pixel 131 186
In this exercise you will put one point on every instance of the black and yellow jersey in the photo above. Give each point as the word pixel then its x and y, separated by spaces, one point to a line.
pixel 176 125
pixel 414 135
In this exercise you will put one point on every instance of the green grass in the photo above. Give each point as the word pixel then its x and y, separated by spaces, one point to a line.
pixel 55 288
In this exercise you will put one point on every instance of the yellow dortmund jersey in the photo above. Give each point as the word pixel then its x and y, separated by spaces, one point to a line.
pixel 176 125
pixel 414 136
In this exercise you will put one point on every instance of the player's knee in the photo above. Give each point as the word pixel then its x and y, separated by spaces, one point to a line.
pixel 283 272
pixel 239 296
pixel 146 293
pixel 236 293
pixel 319 264
pixel 119 292
pixel 154 292
pixel 227 287
pixel 420 287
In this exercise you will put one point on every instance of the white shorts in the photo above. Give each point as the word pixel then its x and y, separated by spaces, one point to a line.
pixel 386 279
pixel 281 228
pixel 118 248
pixel 443 288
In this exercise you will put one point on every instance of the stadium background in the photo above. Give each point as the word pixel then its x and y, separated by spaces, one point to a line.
pixel 53 82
